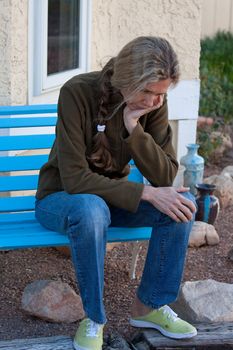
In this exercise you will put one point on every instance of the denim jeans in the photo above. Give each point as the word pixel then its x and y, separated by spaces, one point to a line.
pixel 85 218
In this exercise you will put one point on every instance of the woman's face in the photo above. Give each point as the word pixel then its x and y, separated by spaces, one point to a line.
pixel 151 96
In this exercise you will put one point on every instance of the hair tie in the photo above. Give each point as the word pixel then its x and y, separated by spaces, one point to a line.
pixel 101 128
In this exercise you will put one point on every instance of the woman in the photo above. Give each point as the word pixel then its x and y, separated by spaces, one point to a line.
pixel 104 119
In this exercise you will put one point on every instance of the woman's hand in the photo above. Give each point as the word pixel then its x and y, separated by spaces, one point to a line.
pixel 131 116
pixel 169 201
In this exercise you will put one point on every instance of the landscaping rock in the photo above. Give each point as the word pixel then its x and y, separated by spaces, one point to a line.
pixel 205 301
pixel 115 341
pixel 52 301
pixel 228 171
pixel 224 188
pixel 203 233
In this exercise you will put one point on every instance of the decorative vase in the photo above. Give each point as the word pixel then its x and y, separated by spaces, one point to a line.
pixel 207 203
pixel 194 167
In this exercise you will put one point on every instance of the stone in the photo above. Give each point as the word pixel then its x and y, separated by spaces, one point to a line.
pixel 205 301
pixel 203 233
pixel 115 341
pixel 224 188
pixel 228 172
pixel 52 301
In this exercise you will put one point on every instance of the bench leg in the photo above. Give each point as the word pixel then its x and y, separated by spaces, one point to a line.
pixel 137 246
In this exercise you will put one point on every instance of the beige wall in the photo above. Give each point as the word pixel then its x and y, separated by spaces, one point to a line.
pixel 115 22
pixel 216 15
pixel 13 52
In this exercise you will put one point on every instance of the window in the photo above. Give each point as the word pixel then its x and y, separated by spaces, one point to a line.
pixel 63 35
pixel 58 34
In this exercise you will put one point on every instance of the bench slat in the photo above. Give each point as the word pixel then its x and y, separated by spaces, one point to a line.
pixel 26 142
pixel 17 217
pixel 18 183
pixel 32 234
pixel 33 109
pixel 17 163
pixel 21 203
pixel 11 223
pixel 27 122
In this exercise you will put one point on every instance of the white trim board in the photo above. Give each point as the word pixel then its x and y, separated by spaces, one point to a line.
pixel 183 100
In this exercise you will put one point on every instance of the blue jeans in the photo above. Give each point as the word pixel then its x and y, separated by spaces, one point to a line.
pixel 85 218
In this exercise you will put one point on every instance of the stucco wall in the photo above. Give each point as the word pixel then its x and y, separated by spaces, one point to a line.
pixel 115 22
pixel 13 51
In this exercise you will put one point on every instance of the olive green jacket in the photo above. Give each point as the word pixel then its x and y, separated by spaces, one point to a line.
pixel 149 145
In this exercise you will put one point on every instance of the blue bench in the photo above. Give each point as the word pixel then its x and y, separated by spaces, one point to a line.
pixel 19 134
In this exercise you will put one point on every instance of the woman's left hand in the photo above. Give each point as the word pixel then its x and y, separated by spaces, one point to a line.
pixel 131 116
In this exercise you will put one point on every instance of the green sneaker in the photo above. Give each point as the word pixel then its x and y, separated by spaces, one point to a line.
pixel 166 321
pixel 89 336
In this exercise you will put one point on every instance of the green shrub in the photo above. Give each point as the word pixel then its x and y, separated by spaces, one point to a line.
pixel 216 95
pixel 216 73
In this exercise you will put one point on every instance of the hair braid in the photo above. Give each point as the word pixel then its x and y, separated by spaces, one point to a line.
pixel 101 156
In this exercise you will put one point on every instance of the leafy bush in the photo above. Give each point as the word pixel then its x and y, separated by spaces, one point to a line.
pixel 216 73
pixel 216 97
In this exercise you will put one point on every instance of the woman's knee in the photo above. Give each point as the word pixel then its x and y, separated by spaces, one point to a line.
pixel 190 196
pixel 91 214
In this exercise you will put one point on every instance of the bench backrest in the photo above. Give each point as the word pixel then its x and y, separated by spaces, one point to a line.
pixel 28 128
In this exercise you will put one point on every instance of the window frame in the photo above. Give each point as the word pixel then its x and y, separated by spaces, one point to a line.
pixel 39 81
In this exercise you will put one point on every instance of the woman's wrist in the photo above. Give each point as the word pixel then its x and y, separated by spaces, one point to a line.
pixel 130 126
pixel 146 193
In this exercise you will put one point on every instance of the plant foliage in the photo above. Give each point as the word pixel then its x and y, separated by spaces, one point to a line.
pixel 216 97
pixel 216 73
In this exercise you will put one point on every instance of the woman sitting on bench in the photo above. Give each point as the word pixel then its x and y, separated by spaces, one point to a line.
pixel 105 118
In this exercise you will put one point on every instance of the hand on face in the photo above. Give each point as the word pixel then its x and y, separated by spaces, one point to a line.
pixel 131 116
pixel 145 101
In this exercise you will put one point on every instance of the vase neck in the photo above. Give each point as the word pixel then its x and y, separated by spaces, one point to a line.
pixel 192 149
pixel 205 192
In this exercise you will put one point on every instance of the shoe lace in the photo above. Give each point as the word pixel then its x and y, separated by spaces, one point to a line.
pixel 170 313
pixel 93 328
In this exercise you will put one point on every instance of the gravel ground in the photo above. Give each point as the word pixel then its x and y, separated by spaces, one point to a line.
pixel 18 268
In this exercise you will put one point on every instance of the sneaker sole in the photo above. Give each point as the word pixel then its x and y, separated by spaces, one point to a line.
pixel 78 347
pixel 146 324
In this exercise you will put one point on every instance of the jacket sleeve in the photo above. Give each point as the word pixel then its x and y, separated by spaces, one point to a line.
pixel 76 175
pixel 152 149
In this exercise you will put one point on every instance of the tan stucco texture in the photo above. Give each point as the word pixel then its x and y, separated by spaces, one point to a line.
pixel 115 22
pixel 13 51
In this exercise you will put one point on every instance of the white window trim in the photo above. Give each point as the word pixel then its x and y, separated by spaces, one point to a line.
pixel 41 86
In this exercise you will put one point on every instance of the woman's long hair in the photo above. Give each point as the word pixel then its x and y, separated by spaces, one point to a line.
pixel 143 60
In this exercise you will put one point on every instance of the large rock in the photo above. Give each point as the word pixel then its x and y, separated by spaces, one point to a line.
pixel 205 301
pixel 224 188
pixel 228 172
pixel 52 301
pixel 203 233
